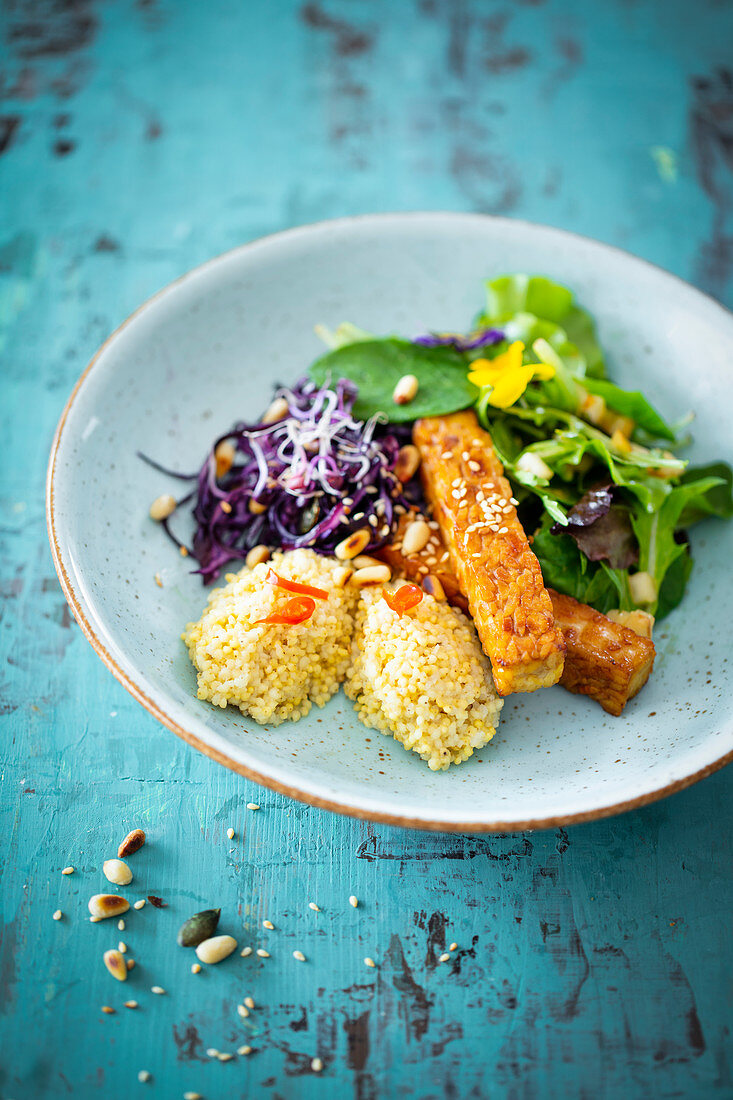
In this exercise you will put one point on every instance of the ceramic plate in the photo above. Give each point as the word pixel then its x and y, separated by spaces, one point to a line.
pixel 206 351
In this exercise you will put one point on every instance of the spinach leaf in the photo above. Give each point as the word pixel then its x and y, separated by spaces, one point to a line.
pixel 631 403
pixel 377 365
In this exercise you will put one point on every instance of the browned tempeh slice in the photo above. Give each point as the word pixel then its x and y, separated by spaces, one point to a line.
pixel 489 551
pixel 593 669
pixel 605 660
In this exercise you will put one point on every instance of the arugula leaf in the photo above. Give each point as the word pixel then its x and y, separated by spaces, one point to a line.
pixel 566 568
pixel 717 501
pixel 674 584
pixel 376 366
pixel 655 531
pixel 631 403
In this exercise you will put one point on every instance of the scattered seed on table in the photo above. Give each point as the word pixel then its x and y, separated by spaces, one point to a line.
pixel 242 1011
pixel 249 1001
pixel 268 924
pixel 120 925
pixel 68 871
pixel 299 956
pixel 131 1004
pixel 316 1065
pixel 244 1050
pixel 139 904
pixel 115 965
pixel 369 962
pixel 122 947
pixel 215 949
pixel 192 1096
pixel 117 872
pixel 353 901
pixel 108 1010
pixel 312 905
pixel 444 957
pixel 262 953
pixel 58 915
pixel 230 833
pixel 157 989
pixel 245 952
pixel 453 947
pixel 143 1076
pixel 196 968
pixel 130 964
pixel 212 1052
pixel 252 806
pixel 225 1057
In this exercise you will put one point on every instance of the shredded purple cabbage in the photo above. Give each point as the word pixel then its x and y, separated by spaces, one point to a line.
pixel 485 338
pixel 318 472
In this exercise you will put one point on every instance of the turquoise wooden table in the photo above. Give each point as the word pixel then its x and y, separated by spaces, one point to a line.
pixel 138 138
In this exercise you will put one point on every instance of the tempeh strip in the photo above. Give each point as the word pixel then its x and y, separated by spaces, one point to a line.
pixel 605 660
pixel 489 552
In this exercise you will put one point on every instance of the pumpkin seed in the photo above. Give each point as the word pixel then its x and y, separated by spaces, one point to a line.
pixel 201 926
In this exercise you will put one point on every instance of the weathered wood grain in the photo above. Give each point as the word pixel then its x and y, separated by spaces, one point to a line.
pixel 136 140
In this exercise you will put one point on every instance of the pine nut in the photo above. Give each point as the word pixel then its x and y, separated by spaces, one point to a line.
pixel 278 410
pixel 353 544
pixel 107 905
pixel 433 587
pixel 162 507
pixel 375 574
pixel 365 561
pixel 256 556
pixel 405 390
pixel 415 538
pixel 133 842
pixel 116 965
pixel 408 462
pixel 342 575
pixel 216 948
pixel 257 509
pixel 224 456
pixel 117 871
pixel 316 1065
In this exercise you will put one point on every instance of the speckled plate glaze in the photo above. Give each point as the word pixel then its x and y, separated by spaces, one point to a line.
pixel 207 349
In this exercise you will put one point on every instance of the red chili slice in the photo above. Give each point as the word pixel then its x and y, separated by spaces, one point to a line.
pixel 293 586
pixel 297 610
pixel 404 599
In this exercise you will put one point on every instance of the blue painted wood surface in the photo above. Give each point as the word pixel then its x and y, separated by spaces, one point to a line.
pixel 138 138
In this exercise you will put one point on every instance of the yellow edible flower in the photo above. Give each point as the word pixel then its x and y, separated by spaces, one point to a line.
pixel 507 376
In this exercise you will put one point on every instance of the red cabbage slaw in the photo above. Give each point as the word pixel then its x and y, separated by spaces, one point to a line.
pixel 311 477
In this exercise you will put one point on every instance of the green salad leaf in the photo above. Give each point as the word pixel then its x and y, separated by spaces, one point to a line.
pixel 631 403
pixel 532 307
pixel 566 568
pixel 657 531
pixel 716 501
pixel 376 366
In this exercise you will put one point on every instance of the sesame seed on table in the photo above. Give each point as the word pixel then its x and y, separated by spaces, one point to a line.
pixel 138 139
